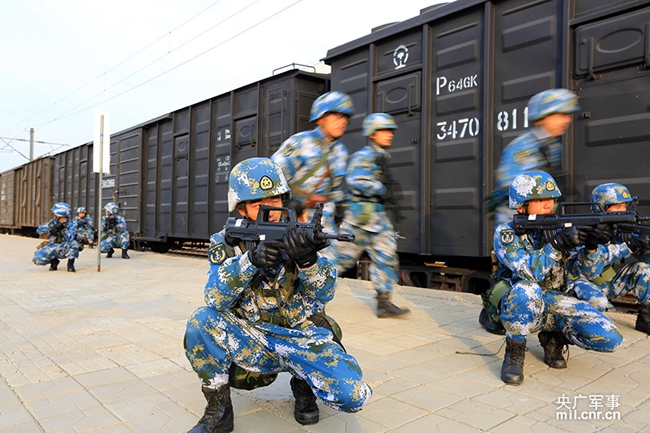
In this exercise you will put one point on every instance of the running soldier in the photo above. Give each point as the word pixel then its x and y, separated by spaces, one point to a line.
pixel 314 162
pixel 367 215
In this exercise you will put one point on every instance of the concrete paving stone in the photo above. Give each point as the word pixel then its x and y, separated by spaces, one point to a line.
pixel 343 423
pixel 265 422
pixel 11 416
pixel 172 380
pixel 393 386
pixel 465 388
pixel 507 398
pixel 435 424
pixel 421 373
pixel 391 413
pixel 61 404
pixel 31 427
pixel 105 377
pixel 426 398
pixel 81 366
pixel 47 389
pixel 523 424
pixel 80 421
pixel 121 391
pixel 152 368
pixel 475 414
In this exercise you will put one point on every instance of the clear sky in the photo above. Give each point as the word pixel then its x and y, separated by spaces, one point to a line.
pixel 139 59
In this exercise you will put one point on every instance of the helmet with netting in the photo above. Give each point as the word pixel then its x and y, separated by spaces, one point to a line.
pixel 533 185
pixel 255 179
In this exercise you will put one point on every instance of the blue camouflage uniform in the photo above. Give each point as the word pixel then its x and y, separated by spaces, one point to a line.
pixel 367 219
pixel 538 275
pixel 532 150
pixel 296 157
pixel 117 236
pixel 62 245
pixel 85 230
pixel 257 320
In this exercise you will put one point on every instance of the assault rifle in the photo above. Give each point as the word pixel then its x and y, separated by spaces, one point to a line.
pixel 111 222
pixel 549 224
pixel 641 226
pixel 273 232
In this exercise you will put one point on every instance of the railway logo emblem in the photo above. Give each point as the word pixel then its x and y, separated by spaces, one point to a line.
pixel 400 56
pixel 266 183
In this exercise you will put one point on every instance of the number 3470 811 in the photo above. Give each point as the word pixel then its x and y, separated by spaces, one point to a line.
pixel 468 127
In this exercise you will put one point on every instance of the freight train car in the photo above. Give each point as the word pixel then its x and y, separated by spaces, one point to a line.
pixel 170 174
pixel 457 79
pixel 26 194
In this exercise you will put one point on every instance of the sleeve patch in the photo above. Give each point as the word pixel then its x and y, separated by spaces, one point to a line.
pixel 217 254
pixel 507 236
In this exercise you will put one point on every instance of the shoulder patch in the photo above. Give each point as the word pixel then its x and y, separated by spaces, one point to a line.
pixel 217 254
pixel 507 236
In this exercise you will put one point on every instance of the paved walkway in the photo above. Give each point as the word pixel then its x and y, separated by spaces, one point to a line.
pixel 102 352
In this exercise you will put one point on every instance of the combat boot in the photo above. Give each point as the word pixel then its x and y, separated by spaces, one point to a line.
pixel 218 416
pixel 53 264
pixel 110 253
pixel 554 346
pixel 512 370
pixel 71 265
pixel 306 409
pixel 385 308
pixel 125 255
pixel 643 319
pixel 484 320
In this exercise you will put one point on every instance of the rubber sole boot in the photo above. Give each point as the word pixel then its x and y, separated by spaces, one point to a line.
pixel 125 255
pixel 306 410
pixel 218 416
pixel 487 324
pixel 54 264
pixel 643 319
pixel 554 346
pixel 71 265
pixel 385 308
pixel 512 370
pixel 110 253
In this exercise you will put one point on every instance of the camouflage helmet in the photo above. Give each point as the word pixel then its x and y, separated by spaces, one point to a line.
pixel 331 102
pixel 610 193
pixel 550 102
pixel 533 185
pixel 377 121
pixel 61 209
pixel 254 179
pixel 112 208
pixel 81 209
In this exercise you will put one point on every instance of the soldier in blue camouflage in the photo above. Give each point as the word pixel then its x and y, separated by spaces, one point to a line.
pixel 615 276
pixel 85 230
pixel 258 299
pixel 537 148
pixel 314 162
pixel 534 269
pixel 114 233
pixel 366 216
pixel 62 239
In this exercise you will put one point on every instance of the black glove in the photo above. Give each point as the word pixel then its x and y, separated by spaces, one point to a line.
pixel 296 205
pixel 56 228
pixel 265 256
pixel 641 242
pixel 600 235
pixel 111 223
pixel 339 213
pixel 568 239
pixel 300 248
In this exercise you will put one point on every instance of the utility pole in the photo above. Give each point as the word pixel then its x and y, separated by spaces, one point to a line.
pixel 31 144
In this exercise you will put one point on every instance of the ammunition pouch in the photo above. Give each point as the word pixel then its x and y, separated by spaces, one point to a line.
pixel 605 277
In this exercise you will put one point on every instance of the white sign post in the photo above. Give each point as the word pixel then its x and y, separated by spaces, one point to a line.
pixel 101 165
